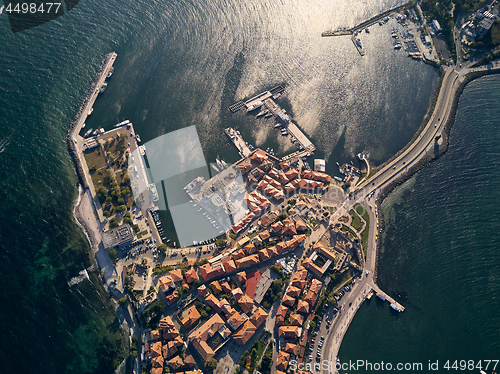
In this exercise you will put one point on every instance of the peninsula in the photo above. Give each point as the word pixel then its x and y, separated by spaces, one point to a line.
pixel 296 254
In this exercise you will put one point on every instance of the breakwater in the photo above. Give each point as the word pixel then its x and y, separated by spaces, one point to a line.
pixel 83 111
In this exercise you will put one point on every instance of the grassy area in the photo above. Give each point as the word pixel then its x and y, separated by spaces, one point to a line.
pixel 95 158
pixel 360 209
pixel 356 222
pixel 344 228
pixel 495 33
pixel 364 238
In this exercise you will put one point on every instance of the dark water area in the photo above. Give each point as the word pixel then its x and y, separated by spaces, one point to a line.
pixel 440 250
pixel 179 64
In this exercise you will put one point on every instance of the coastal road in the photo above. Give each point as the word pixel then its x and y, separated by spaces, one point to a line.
pixel 425 143
pixel 351 301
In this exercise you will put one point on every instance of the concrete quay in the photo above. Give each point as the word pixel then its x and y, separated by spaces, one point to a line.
pixel 238 142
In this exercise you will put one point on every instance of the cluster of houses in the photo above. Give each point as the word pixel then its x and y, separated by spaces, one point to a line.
pixel 163 348
pixel 173 280
pixel 296 307
pixel 260 172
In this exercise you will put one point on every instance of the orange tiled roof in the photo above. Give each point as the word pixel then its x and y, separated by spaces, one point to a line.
pixel 263 254
pixel 169 329
pixel 259 156
pixel 244 333
pixel 300 225
pixel 154 335
pixel 303 306
pixel 296 319
pixel 176 275
pixel 289 227
pixel 202 290
pixel 311 266
pixel 191 318
pixel 216 287
pixel 264 235
pixel 273 251
pixel 237 293
pixel 281 314
pixel 242 276
pixel 236 320
pixel 283 359
pixel 191 275
pixel 229 266
pixel 175 363
pixel 246 303
pixel 259 317
pixel 157 362
pixel 250 248
pixel 166 283
pixel 239 254
pixel 213 302
pixel 226 287
pixel 293 291
pixel 289 331
pixel 316 175
pixel 200 336
pixel 313 293
pixel 247 261
pixel 156 350
pixel 288 300
pixel 277 226
pixel 291 348
pixel 292 173
pixel 267 219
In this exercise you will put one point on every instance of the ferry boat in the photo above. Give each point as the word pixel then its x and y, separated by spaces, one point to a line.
pixel 110 72
pixel 103 87
pixel 88 133
pixel 90 111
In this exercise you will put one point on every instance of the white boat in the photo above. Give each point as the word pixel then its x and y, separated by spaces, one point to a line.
pixel 88 132
pixel 1 8
pixel 257 105
pixel 397 46
pixel 268 115
pixel 138 138
pixel 261 113
pixel 90 111
pixel 83 126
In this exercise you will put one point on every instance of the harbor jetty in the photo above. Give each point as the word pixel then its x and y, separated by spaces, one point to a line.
pixel 83 112
pixel 237 140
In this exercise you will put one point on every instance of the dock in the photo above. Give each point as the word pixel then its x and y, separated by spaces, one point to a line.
pixel 238 142
pixel 256 99
pixel 383 296
pixel 83 112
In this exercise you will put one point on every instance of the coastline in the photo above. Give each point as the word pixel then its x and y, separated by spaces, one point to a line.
pixel 391 187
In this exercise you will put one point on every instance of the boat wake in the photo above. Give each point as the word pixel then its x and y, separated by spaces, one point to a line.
pixel 4 143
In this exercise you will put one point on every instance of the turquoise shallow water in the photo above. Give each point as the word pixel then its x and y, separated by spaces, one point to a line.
pixel 440 251
pixel 179 64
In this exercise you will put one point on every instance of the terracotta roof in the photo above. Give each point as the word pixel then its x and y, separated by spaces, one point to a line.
pixel 216 287
pixel 310 184
pixel 289 227
pixel 156 350
pixel 259 156
pixel 258 317
pixel 250 248
pixel 300 225
pixel 264 235
pixel 168 328
pixel 263 254
pixel 246 303
pixel 245 166
pixel 247 261
pixel 314 292
pixel 288 300
pixel 273 251
pixel 239 254
pixel 277 226
pixel 289 331
pixel 158 370
pixel 242 276
pixel 237 293
pixel 191 275
pixel 236 320
pixel 157 362
pixel 295 319
pixel 281 314
pixel 176 275
pixel 229 266
pixel 292 173
pixel 283 359
pixel 291 348
pixel 208 271
pixel 202 290
pixel 316 175
pixel 226 287
pixel 191 318
pixel 267 219
pixel 213 302
pixel 166 283
pixel 154 335
pixel 175 363
pixel 189 361
pixel 293 291
pixel 172 298
pixel 285 165
pixel 312 267
pixel 266 165
pixel 170 348
pixel 325 252
pixel 244 333
pixel 303 306
pixel 201 335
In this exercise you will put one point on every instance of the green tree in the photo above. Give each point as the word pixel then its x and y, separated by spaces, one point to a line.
pixel 211 364
pixel 113 223
pixel 113 255
pixel 162 247
pixel 122 301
